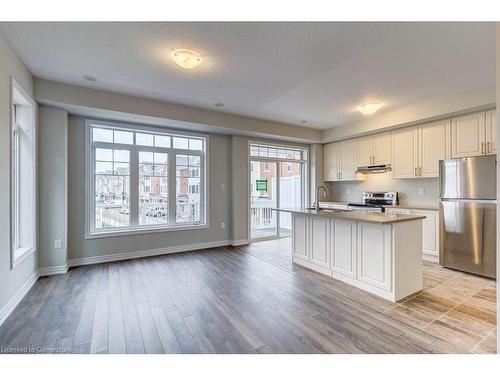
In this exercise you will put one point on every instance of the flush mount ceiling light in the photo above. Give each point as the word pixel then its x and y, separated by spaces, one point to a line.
pixel 369 108
pixel 219 105
pixel 186 59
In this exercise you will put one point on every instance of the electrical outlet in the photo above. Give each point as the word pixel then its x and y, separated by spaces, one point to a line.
pixel 57 244
pixel 348 191
pixel 222 225
pixel 223 186
pixel 421 191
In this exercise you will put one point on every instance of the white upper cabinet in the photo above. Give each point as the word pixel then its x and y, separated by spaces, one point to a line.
pixel 381 148
pixel 331 162
pixel 491 133
pixel 348 160
pixel 468 135
pixel 433 145
pixel 364 151
pixel 340 161
pixel 404 152
pixel 418 149
pixel 374 149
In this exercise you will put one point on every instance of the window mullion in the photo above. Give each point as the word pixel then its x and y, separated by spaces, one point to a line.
pixel 172 186
pixel 134 188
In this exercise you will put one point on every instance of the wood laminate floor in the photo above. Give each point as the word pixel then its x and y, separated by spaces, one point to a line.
pixel 249 299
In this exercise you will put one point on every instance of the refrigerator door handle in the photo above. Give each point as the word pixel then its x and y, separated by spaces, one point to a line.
pixel 458 200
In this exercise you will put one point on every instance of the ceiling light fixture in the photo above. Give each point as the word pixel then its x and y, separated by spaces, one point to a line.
pixel 90 78
pixel 303 122
pixel 369 108
pixel 219 105
pixel 186 59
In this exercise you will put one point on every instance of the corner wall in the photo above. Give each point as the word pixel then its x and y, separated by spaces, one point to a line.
pixel 52 188
pixel 13 283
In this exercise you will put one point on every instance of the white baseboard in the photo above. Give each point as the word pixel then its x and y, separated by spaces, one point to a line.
pixel 430 258
pixel 145 253
pixel 240 242
pixel 55 270
pixel 14 301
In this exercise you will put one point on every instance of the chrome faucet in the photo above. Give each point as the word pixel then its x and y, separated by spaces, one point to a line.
pixel 325 193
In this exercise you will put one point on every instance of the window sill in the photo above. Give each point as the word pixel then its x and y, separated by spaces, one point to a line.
pixel 20 254
pixel 139 231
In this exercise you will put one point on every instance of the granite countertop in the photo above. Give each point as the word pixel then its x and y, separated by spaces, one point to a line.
pixel 403 206
pixel 372 217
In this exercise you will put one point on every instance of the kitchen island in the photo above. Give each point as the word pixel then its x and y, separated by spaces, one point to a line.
pixel 378 252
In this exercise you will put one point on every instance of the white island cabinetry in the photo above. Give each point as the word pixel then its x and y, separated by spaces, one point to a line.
pixel 382 256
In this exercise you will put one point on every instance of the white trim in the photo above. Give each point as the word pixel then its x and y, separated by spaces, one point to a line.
pixel 239 242
pixel 145 253
pixel 14 301
pixel 19 96
pixel 134 231
pixel 54 270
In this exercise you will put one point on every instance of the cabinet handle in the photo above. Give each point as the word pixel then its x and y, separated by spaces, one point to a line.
pixel 420 171
pixel 340 175
pixel 482 147
pixel 416 174
pixel 487 147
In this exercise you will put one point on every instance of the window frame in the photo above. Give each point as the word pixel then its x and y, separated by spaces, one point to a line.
pixel 20 100
pixel 134 228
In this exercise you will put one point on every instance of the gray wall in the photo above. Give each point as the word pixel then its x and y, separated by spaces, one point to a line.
pixel 10 280
pixel 408 189
pixel 239 188
pixel 52 185
pixel 219 201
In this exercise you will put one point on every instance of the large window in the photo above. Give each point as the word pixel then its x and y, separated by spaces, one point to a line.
pixel 23 176
pixel 142 179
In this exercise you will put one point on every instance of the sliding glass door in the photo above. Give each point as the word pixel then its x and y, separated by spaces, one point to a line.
pixel 276 181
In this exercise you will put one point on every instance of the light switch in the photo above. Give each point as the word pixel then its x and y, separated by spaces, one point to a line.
pixel 223 186
pixel 222 225
pixel 57 244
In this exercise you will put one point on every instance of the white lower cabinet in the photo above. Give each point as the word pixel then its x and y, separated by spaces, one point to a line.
pixel 430 230
pixel 374 254
pixel 320 241
pixel 299 238
pixel 343 234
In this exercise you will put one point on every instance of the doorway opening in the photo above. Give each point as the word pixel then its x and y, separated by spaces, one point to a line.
pixel 277 180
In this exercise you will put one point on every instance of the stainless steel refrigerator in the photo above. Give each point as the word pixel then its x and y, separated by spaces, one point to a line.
pixel 467 214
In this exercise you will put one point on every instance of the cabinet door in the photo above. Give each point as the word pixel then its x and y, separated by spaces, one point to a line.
pixel 374 254
pixel 381 148
pixel 430 232
pixel 404 152
pixel 491 132
pixel 432 148
pixel 299 236
pixel 348 160
pixel 468 135
pixel 344 247
pixel 330 162
pixel 320 241
pixel 364 151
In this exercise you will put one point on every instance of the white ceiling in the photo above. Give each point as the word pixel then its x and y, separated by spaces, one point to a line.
pixel 285 72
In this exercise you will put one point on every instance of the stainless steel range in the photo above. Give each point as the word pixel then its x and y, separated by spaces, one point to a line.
pixel 375 201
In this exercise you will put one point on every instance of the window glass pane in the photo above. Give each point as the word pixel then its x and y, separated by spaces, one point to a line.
pixel 121 155
pixel 144 139
pixel 195 144
pixel 103 168
pixel 188 189
pixel 281 153
pixel 254 151
pixel 121 169
pixel 153 194
pixel 102 135
pixel 162 141
pixel 111 201
pixel 124 137
pixel 272 153
pixel 103 154
pixel 160 158
pixel 145 157
pixel 181 143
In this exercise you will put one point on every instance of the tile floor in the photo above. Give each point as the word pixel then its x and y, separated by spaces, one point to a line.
pixel 458 307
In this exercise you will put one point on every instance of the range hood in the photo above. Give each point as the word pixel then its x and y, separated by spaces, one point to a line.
pixel 381 168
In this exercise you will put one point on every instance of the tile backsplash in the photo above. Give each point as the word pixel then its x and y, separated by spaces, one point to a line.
pixel 424 191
